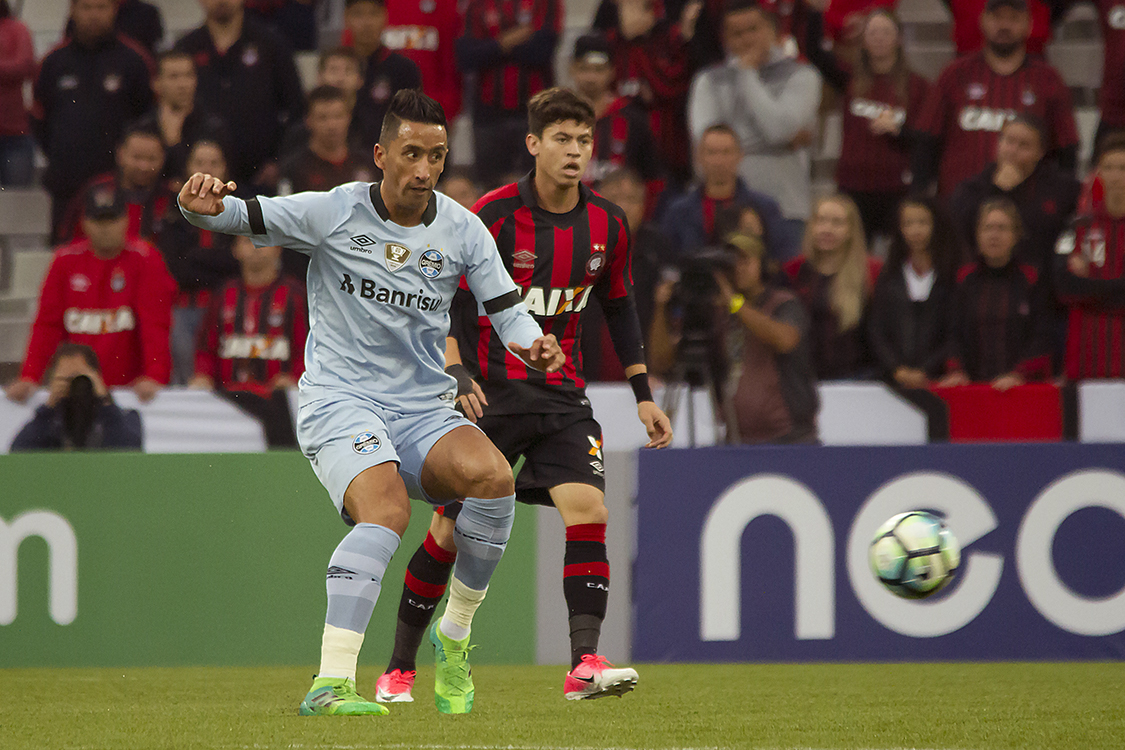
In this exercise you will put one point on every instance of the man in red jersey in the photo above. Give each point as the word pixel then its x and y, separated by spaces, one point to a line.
pixel 426 31
pixel 110 293
pixel 562 243
pixel 1090 268
pixel 978 93
pixel 252 342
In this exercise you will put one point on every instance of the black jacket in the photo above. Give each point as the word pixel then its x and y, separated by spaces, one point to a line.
pixel 114 427
pixel 85 96
pixel 905 333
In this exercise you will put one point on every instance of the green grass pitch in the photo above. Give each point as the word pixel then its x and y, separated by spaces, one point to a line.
pixel 883 706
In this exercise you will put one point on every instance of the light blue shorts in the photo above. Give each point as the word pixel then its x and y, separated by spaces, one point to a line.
pixel 344 436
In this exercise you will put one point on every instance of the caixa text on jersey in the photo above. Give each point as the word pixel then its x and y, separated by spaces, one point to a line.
pixel 368 289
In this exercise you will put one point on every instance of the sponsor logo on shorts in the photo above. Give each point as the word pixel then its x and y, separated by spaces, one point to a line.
pixel 596 452
pixel 365 443
pixel 430 264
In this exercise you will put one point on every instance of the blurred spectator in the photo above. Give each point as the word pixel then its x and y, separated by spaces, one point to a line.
pixel 341 68
pixel 138 20
pixel 908 327
pixel 967 33
pixel 770 100
pixel 622 137
pixel 197 259
pixel 769 394
pixel 510 46
pixel 1001 331
pixel 252 341
pixel 295 20
pixel 79 413
pixel 1090 276
pixel 176 117
pixel 835 278
pixel 689 221
pixel 89 88
pixel 881 100
pixel 140 160
pixel 653 65
pixel 1111 93
pixel 458 184
pixel 1045 196
pixel 109 292
pixel 246 73
pixel 426 32
pixel 651 255
pixel 976 94
pixel 385 72
pixel 844 20
pixel 705 47
pixel 324 161
pixel 17 64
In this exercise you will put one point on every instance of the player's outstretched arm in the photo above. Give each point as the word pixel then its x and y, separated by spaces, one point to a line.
pixel 544 354
pixel 203 194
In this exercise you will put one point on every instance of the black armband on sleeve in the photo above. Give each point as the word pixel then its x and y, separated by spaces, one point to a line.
pixel 624 330
pixel 503 302
pixel 641 390
pixel 254 216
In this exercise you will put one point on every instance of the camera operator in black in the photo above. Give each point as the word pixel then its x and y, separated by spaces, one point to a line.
pixel 79 413
pixel 728 320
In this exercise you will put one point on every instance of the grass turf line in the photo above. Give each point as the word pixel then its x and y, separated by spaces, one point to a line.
pixel 829 706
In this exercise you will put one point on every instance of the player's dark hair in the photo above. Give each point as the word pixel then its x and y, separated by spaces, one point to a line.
pixel 556 105
pixel 945 245
pixel 344 53
pixel 410 105
pixel 1111 143
pixel 144 131
pixel 322 94
pixel 171 54
pixel 71 349
pixel 1029 120
pixel 723 128
pixel 1005 206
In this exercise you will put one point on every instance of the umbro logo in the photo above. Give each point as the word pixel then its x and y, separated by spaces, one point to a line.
pixel 362 240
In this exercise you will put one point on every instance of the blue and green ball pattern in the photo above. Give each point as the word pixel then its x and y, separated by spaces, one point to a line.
pixel 914 554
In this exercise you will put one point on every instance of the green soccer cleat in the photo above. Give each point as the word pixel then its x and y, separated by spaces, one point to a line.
pixel 329 696
pixel 453 677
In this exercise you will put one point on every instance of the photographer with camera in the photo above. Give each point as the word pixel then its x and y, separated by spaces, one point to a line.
pixel 79 413
pixel 727 319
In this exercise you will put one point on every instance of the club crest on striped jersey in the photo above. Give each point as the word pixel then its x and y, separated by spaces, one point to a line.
pixel 596 260
pixel 430 264
pixel 396 255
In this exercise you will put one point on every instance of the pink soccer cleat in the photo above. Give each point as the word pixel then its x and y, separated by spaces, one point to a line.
pixel 394 687
pixel 594 678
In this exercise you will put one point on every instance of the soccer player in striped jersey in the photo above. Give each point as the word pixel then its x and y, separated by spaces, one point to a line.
pixel 563 244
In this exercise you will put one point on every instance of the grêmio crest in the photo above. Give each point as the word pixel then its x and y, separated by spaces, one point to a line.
pixel 396 256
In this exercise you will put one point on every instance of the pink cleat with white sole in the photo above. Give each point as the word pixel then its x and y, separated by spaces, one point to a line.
pixel 596 678
pixel 395 687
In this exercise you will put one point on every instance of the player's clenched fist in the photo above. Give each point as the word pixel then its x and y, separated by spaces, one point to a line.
pixel 203 194
pixel 544 355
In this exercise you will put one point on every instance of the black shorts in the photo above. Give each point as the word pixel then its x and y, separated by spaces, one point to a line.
pixel 557 449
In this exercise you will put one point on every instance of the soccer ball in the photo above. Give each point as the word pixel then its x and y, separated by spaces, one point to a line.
pixel 914 554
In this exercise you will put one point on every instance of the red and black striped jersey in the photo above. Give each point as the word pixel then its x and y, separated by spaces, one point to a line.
pixel 1095 342
pixel 250 336
pixel 623 138
pixel 970 103
pixel 507 80
pixel 559 261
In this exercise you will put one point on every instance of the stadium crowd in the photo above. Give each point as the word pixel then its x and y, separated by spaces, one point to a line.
pixel 961 245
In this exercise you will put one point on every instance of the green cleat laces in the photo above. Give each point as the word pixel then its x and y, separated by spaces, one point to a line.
pixel 335 697
pixel 453 678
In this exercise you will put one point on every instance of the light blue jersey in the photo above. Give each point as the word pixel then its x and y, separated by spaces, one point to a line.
pixel 379 293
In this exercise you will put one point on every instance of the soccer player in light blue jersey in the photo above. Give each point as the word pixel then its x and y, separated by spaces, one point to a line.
pixel 375 414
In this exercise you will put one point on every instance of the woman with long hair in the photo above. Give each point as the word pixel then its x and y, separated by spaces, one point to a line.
pixel 1001 330
pixel 909 323
pixel 881 98
pixel 17 64
pixel 834 277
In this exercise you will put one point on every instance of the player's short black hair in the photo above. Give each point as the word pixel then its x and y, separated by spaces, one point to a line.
pixel 556 105
pixel 325 94
pixel 144 131
pixel 71 349
pixel 172 54
pixel 1111 143
pixel 1032 121
pixel 410 105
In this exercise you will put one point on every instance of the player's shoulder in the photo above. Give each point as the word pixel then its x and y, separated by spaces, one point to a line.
pixel 596 201
pixel 454 213
pixel 503 201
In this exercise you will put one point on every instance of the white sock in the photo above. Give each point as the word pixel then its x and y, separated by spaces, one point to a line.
pixel 339 650
pixel 459 611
